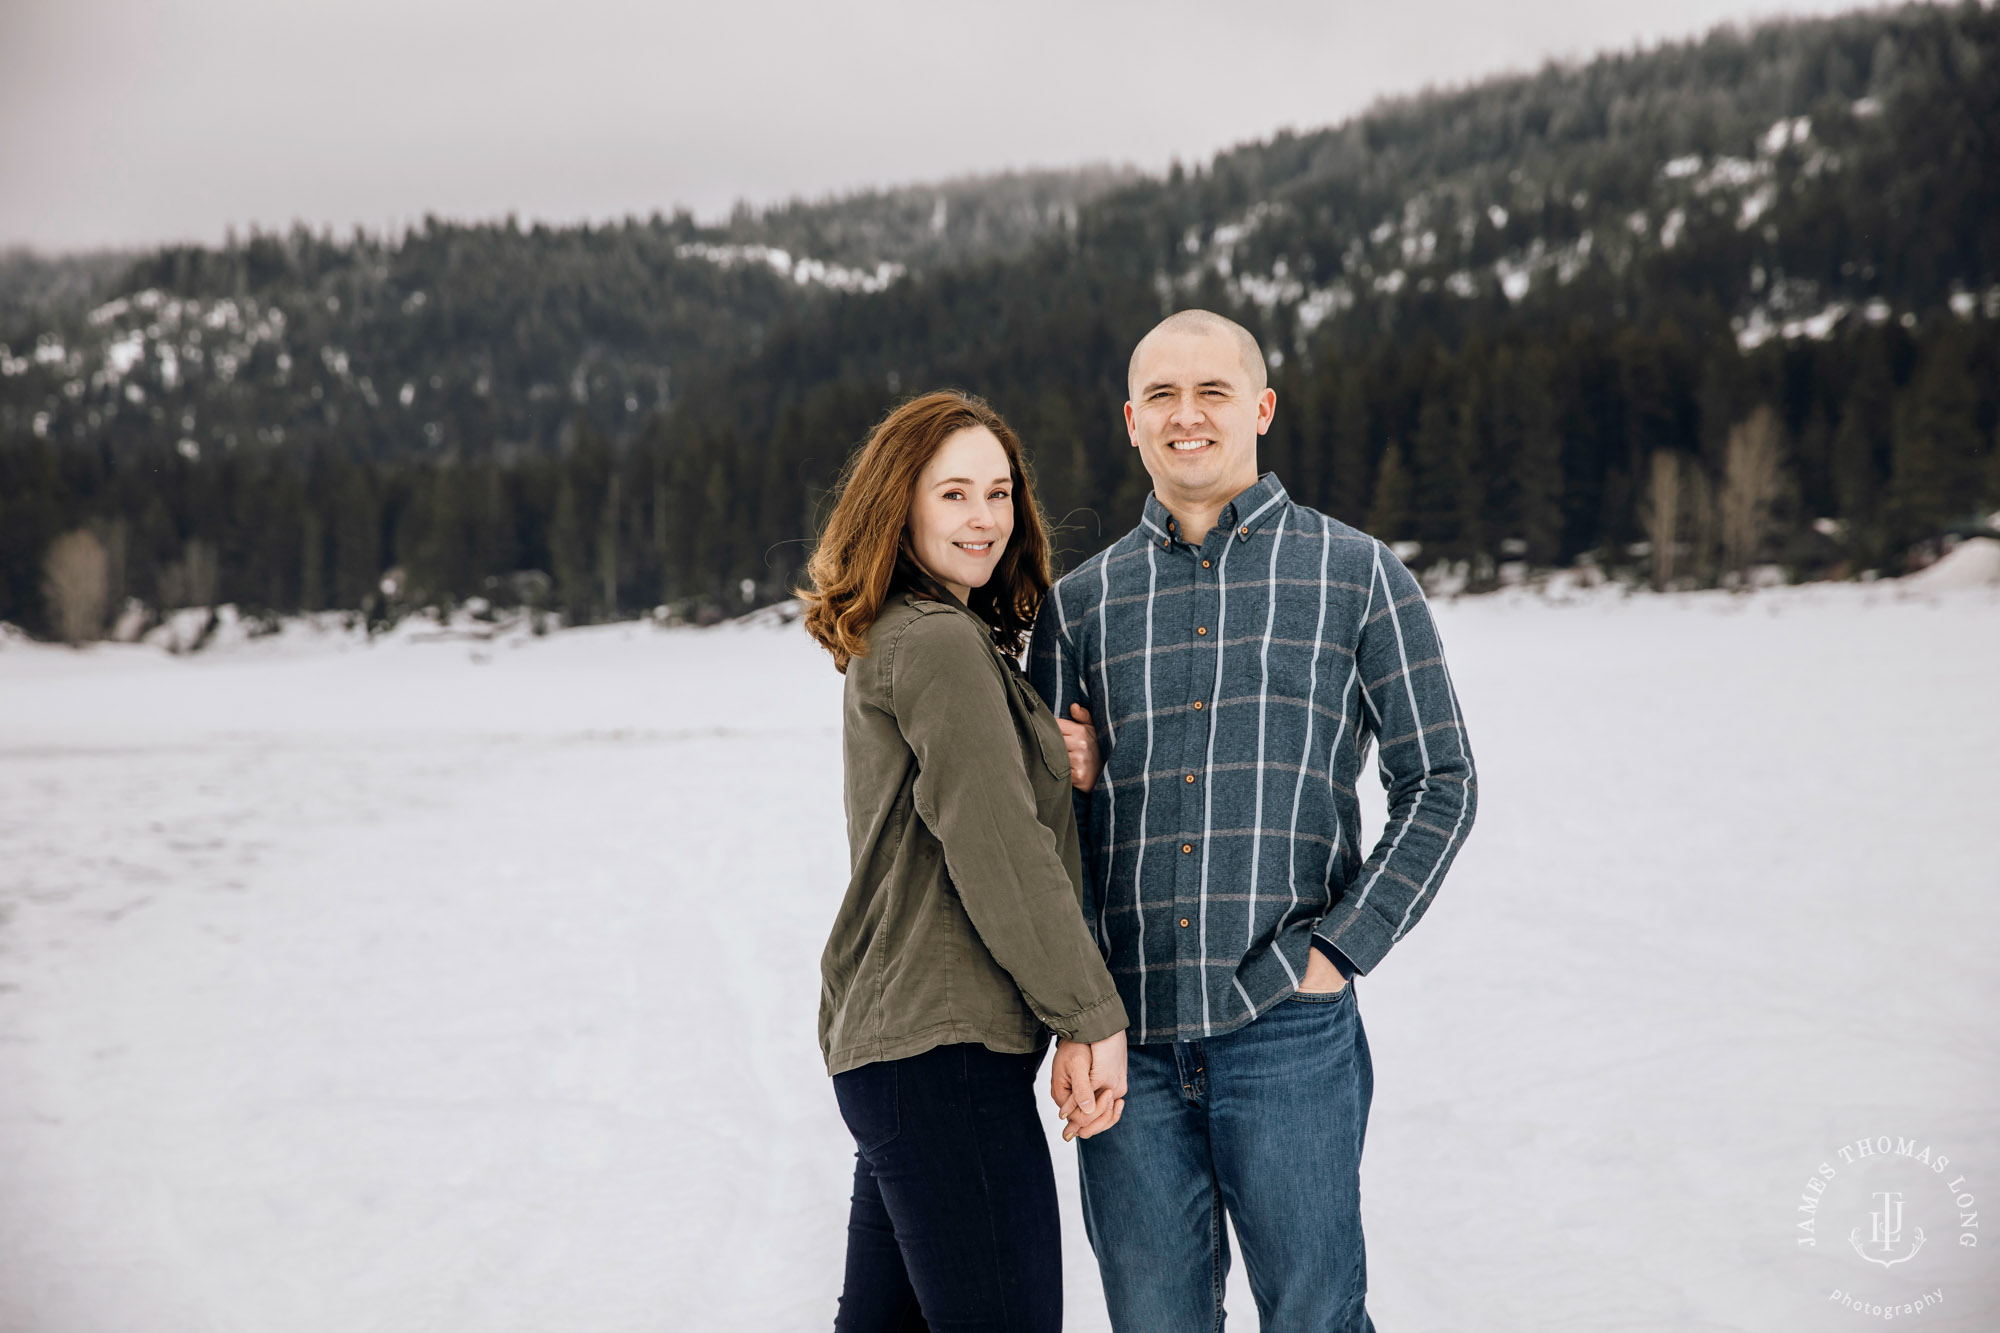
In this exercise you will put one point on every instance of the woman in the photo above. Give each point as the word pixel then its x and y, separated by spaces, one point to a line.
pixel 961 943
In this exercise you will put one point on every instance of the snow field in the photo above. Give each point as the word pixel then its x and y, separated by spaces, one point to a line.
pixel 449 985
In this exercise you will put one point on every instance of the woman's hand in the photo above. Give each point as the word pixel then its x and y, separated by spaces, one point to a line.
pixel 1080 739
pixel 1087 1083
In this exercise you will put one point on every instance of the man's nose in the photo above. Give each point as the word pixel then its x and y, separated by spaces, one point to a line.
pixel 1187 412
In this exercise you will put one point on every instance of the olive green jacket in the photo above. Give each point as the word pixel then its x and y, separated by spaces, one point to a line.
pixel 963 921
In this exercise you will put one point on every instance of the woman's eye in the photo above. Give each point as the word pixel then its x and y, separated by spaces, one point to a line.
pixel 997 495
pixel 954 495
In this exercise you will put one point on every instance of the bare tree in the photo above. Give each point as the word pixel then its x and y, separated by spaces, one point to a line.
pixel 76 579
pixel 1752 479
pixel 1662 514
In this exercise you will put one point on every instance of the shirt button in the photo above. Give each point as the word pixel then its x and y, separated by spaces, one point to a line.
pixel 1243 532
pixel 1197 705
pixel 1201 629
pixel 1166 541
pixel 1184 921
pixel 1190 777
pixel 1206 563
pixel 1187 847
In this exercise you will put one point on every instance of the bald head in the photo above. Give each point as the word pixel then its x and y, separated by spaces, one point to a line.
pixel 1203 323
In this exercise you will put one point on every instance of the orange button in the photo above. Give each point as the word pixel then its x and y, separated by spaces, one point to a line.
pixel 1244 531
pixel 1205 564
pixel 1184 921
pixel 1190 777
pixel 1187 847
pixel 1165 542
pixel 1201 629
pixel 1197 705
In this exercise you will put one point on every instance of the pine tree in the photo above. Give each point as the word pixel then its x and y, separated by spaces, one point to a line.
pixel 1349 487
pixel 1389 512
pixel 1538 474
pixel 312 560
pixel 1861 449
pixel 1937 447
pixel 357 540
pixel 1433 503
pixel 566 552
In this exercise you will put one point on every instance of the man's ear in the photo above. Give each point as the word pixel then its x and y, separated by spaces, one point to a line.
pixel 1131 425
pixel 1267 409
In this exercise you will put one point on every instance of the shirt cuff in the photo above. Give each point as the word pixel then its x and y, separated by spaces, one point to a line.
pixel 1336 957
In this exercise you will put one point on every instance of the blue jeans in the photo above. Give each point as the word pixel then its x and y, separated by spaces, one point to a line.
pixel 1265 1124
pixel 954 1226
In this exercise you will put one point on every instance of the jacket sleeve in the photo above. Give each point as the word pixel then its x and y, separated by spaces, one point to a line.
pixel 1426 765
pixel 974 795
pixel 1057 675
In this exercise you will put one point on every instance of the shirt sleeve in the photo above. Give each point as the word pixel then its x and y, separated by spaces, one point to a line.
pixel 1426 766
pixel 973 794
pixel 1334 956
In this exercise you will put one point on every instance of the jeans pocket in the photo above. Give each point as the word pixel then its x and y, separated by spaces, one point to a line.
pixel 869 1104
pixel 1323 997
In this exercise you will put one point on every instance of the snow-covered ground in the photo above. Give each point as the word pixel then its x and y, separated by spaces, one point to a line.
pixel 443 985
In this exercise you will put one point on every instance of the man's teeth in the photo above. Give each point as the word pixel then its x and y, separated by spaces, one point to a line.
pixel 1190 444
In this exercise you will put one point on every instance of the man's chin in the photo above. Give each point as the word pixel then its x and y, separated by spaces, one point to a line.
pixel 1194 472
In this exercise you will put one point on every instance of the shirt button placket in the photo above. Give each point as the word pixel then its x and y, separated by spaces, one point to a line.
pixel 1205 635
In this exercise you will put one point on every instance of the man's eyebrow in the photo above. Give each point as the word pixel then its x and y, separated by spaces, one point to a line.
pixel 1205 384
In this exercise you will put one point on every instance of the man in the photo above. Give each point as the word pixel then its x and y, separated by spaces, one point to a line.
pixel 1237 654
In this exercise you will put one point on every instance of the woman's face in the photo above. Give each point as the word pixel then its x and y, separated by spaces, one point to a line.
pixel 963 511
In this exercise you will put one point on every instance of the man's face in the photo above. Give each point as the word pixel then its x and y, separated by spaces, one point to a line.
pixel 1195 415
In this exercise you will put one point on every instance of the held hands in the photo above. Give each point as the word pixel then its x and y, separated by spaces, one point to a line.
pixel 1087 1083
pixel 1080 738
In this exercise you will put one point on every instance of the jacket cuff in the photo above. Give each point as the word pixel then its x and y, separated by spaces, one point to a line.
pixel 1336 957
pixel 1104 1019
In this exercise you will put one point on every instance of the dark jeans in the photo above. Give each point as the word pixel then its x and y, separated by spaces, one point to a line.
pixel 954 1224
pixel 1264 1124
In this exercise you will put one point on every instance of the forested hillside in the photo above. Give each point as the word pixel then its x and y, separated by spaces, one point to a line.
pixel 1687 310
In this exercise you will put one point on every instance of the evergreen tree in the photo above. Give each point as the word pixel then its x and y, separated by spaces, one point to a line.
pixel 1538 473
pixel 1433 506
pixel 1937 447
pixel 1389 511
pixel 1350 488
pixel 567 553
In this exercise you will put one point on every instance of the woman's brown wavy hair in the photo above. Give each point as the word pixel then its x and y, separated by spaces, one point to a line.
pixel 865 550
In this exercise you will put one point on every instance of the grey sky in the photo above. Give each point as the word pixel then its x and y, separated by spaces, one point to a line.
pixel 128 121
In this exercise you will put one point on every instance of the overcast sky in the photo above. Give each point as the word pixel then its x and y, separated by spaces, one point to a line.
pixel 130 121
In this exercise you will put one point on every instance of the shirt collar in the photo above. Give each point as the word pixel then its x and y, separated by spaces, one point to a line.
pixel 1257 505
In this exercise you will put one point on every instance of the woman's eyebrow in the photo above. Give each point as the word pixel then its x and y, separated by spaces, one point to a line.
pixel 1007 480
